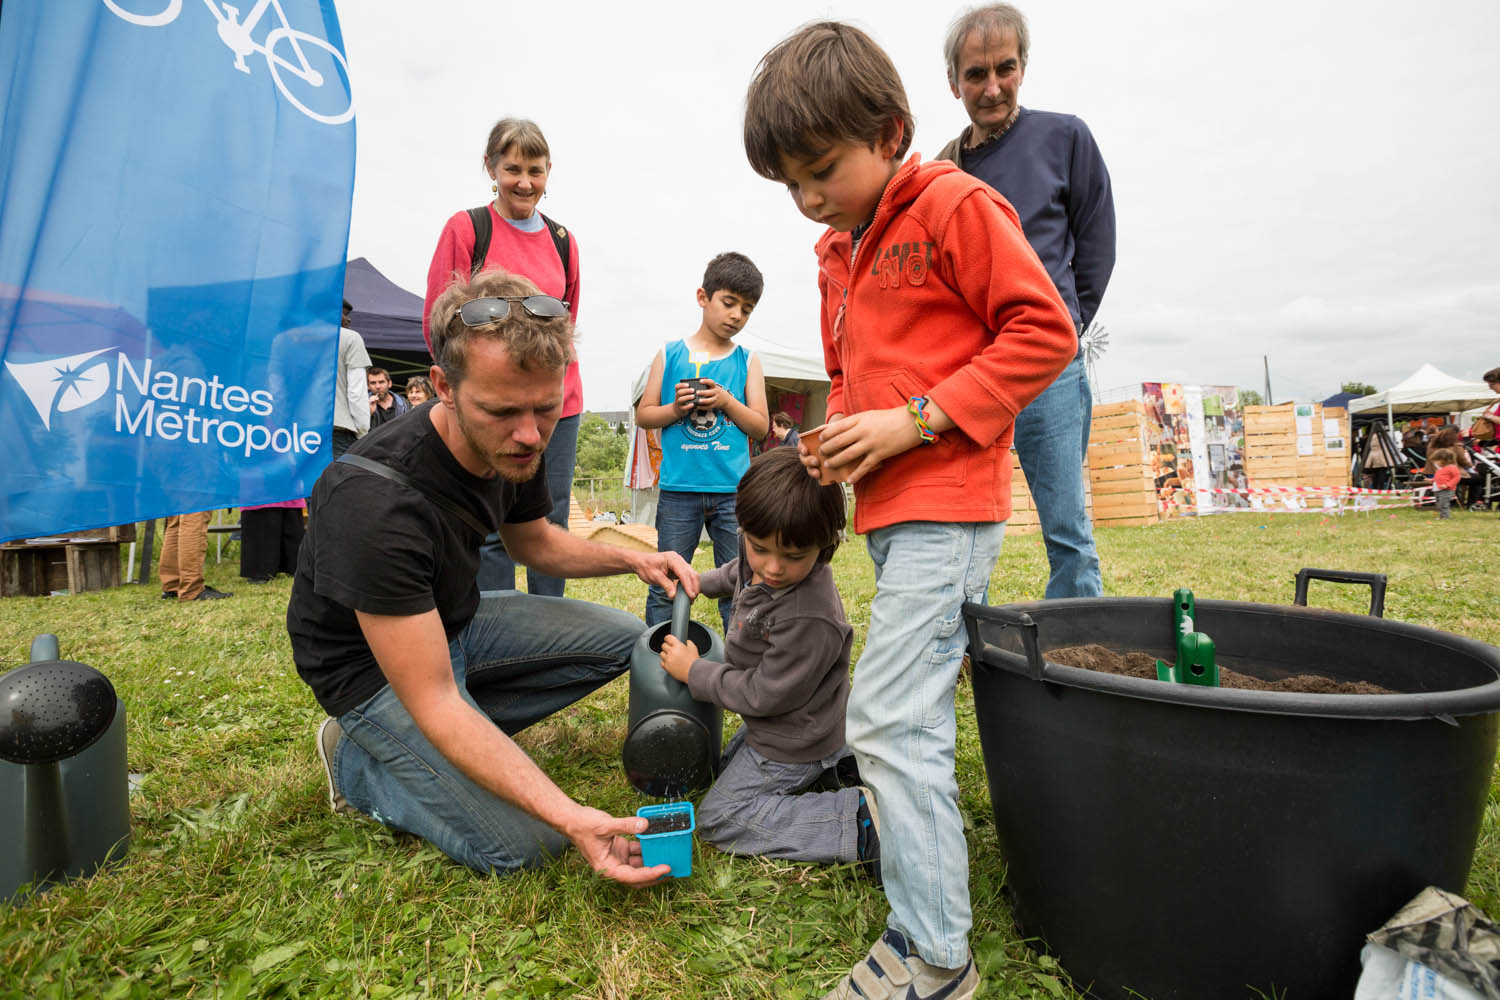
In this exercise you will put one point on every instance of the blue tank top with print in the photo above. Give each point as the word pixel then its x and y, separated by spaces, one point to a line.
pixel 704 452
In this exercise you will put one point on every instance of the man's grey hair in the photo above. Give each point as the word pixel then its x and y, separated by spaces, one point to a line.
pixel 991 19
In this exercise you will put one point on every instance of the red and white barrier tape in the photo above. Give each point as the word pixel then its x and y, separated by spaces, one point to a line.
pixel 1315 490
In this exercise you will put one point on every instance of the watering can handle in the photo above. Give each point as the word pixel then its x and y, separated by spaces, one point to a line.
pixel 44 647
pixel 1376 582
pixel 682 606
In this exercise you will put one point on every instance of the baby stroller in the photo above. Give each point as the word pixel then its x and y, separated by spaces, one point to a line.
pixel 1484 489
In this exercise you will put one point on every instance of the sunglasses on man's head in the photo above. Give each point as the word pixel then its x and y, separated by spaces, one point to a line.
pixel 478 312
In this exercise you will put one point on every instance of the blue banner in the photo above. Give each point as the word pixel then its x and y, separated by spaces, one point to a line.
pixel 175 177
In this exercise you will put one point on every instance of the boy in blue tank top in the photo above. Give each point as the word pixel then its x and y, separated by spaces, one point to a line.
pixel 708 396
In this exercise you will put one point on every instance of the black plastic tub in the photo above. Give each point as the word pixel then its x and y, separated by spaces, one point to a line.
pixel 1186 843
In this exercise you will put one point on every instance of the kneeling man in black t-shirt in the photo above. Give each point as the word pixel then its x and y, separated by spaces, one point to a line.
pixel 424 680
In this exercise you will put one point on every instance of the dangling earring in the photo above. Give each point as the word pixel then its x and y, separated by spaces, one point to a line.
pixel 494 189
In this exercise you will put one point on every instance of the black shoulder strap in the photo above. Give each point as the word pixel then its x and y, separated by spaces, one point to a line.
pixel 381 469
pixel 560 240
pixel 480 219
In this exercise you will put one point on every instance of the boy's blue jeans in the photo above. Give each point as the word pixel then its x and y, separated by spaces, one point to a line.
pixel 521 659
pixel 680 520
pixel 1052 440
pixel 901 722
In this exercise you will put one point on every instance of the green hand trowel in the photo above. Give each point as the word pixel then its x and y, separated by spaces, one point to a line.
pixel 1195 651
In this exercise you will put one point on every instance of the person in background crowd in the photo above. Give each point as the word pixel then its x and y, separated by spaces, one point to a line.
pixel 419 390
pixel 783 429
pixel 184 545
pixel 270 535
pixel 385 405
pixel 1492 377
pixel 1048 166
pixel 511 233
pixel 351 414
pixel 1445 478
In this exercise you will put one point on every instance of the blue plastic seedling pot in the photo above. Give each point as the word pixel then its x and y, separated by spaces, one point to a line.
pixel 669 847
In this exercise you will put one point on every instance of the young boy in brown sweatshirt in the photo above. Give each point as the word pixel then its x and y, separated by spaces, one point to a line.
pixel 786 672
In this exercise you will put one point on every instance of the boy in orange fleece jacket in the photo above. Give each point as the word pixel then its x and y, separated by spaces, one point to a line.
pixel 939 325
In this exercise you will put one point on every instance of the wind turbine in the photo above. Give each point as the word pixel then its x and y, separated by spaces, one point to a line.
pixel 1095 342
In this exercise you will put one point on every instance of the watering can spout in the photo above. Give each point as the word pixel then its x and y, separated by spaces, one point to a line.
pixel 45 647
pixel 682 606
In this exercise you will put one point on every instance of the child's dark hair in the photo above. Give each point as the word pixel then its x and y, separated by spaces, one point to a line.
pixel 827 83
pixel 778 499
pixel 733 272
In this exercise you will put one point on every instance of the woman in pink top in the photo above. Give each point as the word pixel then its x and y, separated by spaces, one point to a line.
pixel 522 241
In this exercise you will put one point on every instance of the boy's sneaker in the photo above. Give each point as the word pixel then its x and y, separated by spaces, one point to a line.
pixel 844 774
pixel 891 971
pixel 329 734
pixel 868 818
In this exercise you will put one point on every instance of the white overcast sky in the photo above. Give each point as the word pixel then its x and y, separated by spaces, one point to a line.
pixel 1314 180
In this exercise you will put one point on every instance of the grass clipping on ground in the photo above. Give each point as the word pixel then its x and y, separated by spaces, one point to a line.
pixel 241 883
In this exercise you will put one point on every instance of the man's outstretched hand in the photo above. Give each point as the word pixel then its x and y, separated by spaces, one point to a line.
pixel 605 843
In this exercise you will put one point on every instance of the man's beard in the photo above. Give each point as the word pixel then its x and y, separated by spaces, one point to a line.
pixel 508 471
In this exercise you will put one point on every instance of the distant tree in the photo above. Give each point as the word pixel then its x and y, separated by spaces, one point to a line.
pixel 1359 388
pixel 601 451
pixel 1249 397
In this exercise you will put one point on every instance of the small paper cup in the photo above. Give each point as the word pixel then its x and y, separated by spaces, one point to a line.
pixel 827 474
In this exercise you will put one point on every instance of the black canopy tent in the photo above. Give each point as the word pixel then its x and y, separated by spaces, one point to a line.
pixel 389 318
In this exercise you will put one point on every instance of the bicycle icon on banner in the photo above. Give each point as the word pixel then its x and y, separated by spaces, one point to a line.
pixel 236 35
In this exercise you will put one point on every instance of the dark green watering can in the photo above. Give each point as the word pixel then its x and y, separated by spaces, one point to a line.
pixel 674 740
pixel 64 787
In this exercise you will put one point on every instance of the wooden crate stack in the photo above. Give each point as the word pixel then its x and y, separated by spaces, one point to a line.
pixel 1119 488
pixel 1120 478
pixel 1271 452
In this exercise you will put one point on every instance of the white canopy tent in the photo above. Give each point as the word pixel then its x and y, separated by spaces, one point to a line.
pixel 1426 391
pixel 784 369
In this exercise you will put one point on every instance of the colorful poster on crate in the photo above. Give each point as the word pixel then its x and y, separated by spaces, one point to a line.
pixel 1169 443
pixel 176 180
pixel 1195 441
pixel 1224 443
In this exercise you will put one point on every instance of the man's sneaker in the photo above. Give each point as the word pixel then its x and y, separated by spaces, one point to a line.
pixel 329 734
pixel 868 818
pixel 891 971
pixel 210 594
pixel 169 595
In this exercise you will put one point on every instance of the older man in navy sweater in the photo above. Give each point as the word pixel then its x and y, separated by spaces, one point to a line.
pixel 1049 167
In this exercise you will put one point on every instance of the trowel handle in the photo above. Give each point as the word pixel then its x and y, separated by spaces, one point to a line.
pixel 44 647
pixel 682 606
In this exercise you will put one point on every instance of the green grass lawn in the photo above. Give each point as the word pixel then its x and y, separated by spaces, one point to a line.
pixel 241 883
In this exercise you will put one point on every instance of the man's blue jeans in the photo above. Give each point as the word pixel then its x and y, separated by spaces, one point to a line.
pixel 680 520
pixel 521 659
pixel 1052 440
pixel 497 571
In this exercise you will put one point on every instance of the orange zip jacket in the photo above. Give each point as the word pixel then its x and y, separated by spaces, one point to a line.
pixel 944 299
